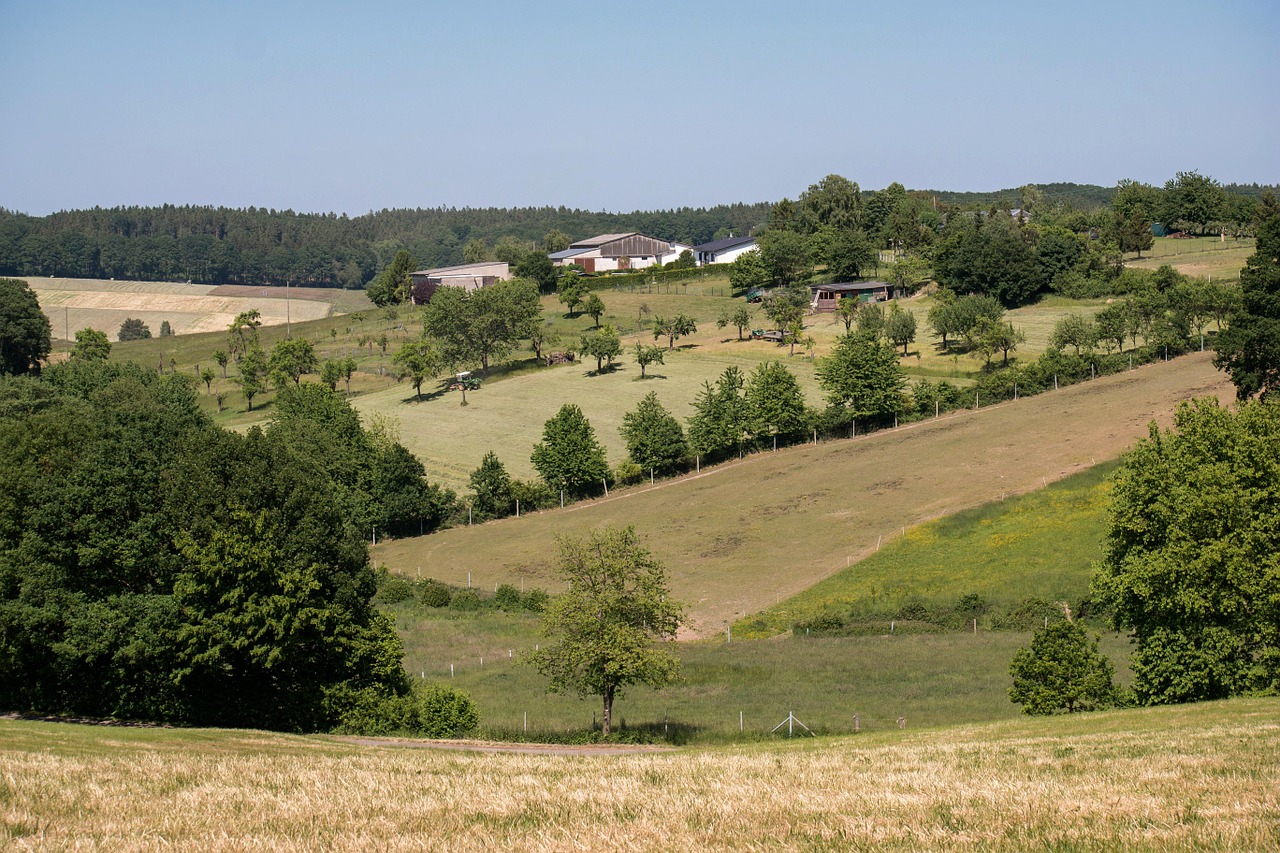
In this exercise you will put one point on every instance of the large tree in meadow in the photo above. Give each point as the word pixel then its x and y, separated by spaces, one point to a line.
pixel 614 624
pixel 1192 561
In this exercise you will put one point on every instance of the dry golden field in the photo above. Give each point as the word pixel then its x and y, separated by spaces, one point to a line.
pixel 73 304
pixel 1200 777
pixel 741 536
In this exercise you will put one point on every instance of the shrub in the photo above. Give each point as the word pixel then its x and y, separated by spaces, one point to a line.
pixel 536 600
pixel 443 712
pixel 465 599
pixel 393 589
pixel 433 594
pixel 507 598
pixel 627 472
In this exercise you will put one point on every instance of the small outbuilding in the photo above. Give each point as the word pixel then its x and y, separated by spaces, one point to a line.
pixel 827 296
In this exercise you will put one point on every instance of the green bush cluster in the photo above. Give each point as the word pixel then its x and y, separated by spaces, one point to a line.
pixel 916 617
pixel 431 711
pixel 394 589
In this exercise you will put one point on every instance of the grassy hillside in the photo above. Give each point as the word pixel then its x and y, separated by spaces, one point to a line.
pixel 1206 257
pixel 743 536
pixel 1204 777
pixel 997 551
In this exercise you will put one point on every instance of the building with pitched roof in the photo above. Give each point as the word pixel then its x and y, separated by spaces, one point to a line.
pixel 607 252
pixel 724 251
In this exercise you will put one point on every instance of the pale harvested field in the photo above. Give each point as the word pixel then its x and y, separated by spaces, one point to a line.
pixel 73 304
pixel 741 536
pixel 1203 777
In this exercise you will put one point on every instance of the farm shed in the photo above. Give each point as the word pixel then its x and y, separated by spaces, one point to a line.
pixel 724 251
pixel 827 296
pixel 606 252
pixel 423 283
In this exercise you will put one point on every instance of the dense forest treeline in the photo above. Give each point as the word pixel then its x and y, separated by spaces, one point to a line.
pixel 263 246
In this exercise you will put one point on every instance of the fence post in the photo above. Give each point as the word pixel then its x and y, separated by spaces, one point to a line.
pixel 857 723
pixel 902 722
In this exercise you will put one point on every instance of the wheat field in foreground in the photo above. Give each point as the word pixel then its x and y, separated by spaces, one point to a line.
pixel 1194 777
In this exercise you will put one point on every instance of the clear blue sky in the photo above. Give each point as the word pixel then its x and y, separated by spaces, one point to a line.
pixel 348 107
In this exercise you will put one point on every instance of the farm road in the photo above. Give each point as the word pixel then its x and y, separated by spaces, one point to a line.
pixel 739 537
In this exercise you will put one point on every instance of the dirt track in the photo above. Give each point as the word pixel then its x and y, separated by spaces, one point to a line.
pixel 741 536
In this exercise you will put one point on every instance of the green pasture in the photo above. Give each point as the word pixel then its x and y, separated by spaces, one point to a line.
pixel 931 680
pixel 1204 257
pixel 1041 544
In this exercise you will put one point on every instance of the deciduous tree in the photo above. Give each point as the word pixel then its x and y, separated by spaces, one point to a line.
pixel 775 402
pixel 292 357
pixel 25 334
pixel 1192 560
pixel 569 457
pixel 613 625
pixel 653 437
pixel 91 345
pixel 1249 350
pixel 863 376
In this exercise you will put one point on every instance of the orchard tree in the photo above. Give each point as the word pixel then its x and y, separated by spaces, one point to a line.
pixel 604 345
pixel 420 360
pixel 571 289
pixel 1192 558
pixel 673 328
pixel 738 317
pixel 786 305
pixel 647 355
pixel 25 334
pixel 593 306
pixel 1192 198
pixel 569 457
pixel 253 373
pixel 330 373
pixel 847 313
pixel 615 624
pixel 220 356
pixel 292 357
pixel 207 376
pixel 1062 670
pixel 900 326
pixel 241 334
pixel 91 345
pixel 1074 330
pixel 1249 350
pixel 653 437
